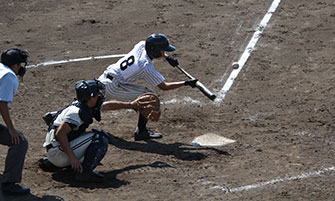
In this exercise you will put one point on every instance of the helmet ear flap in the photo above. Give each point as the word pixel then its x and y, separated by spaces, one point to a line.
pixel 156 53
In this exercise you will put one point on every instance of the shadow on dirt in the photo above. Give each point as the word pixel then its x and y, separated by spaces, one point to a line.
pixel 31 197
pixel 179 150
pixel 67 176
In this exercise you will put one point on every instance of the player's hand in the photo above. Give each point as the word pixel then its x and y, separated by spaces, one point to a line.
pixel 135 105
pixel 172 61
pixel 75 165
pixel 16 136
pixel 191 82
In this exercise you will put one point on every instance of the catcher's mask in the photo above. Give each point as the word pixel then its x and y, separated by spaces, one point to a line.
pixel 157 42
pixel 14 56
pixel 89 88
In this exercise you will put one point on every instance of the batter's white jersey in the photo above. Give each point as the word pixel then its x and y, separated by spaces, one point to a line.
pixel 136 65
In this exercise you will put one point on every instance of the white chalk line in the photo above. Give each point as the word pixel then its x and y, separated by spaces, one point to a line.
pixel 186 100
pixel 274 181
pixel 246 54
pixel 48 63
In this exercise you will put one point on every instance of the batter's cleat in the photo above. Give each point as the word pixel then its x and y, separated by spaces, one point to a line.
pixel 146 134
pixel 14 189
pixel 90 177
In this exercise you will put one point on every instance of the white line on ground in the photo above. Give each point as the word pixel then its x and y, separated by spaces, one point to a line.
pixel 47 63
pixel 250 47
pixel 274 181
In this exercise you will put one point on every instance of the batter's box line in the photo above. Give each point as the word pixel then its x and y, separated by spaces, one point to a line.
pixel 226 189
pixel 48 63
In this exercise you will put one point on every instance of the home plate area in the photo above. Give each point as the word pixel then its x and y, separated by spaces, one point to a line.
pixel 211 139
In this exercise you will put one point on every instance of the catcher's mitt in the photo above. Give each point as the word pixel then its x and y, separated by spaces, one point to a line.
pixel 149 106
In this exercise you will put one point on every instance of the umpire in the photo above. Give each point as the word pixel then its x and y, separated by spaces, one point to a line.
pixel 13 62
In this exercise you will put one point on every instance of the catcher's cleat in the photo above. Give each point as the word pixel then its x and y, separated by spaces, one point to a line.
pixel 47 166
pixel 91 177
pixel 146 134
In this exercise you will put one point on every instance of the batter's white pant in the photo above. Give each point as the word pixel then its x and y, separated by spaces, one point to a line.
pixel 122 92
pixel 79 145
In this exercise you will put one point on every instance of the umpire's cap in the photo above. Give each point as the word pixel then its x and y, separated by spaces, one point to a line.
pixel 157 42
pixel 14 56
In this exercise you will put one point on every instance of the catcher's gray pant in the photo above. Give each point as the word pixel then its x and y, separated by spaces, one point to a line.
pixel 79 145
pixel 15 156
pixel 122 92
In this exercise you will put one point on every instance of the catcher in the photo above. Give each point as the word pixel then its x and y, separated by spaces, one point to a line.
pixel 138 65
pixel 67 143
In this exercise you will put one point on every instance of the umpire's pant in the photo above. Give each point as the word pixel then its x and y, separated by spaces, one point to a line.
pixel 15 156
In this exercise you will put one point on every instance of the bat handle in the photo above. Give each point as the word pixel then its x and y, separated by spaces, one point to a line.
pixel 205 91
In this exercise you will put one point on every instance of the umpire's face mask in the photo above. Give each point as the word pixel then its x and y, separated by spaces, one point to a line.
pixel 22 70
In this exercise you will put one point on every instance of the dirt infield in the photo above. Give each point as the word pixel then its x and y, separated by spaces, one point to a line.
pixel 280 109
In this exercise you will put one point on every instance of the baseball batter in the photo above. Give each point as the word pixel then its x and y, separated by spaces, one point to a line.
pixel 138 65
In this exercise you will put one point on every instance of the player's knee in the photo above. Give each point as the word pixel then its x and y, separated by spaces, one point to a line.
pixel 23 144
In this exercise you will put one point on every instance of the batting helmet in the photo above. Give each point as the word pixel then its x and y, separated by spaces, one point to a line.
pixel 157 42
pixel 89 88
pixel 14 56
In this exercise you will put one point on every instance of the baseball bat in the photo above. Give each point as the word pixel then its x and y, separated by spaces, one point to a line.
pixel 199 85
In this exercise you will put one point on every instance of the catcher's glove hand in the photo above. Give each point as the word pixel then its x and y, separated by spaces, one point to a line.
pixel 148 105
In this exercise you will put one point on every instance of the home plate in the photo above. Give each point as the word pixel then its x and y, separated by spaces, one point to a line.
pixel 211 139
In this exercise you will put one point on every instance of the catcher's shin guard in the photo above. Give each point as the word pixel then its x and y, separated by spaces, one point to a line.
pixel 95 152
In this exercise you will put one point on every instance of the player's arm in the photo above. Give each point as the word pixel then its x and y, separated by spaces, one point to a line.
pixel 118 105
pixel 165 86
pixel 61 134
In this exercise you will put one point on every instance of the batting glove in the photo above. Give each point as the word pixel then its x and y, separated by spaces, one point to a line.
pixel 191 82
pixel 172 61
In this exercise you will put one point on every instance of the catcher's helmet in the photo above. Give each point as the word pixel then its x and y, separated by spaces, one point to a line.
pixel 89 88
pixel 157 42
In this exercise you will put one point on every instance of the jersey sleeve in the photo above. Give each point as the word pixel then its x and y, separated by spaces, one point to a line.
pixel 152 76
pixel 71 116
pixel 8 87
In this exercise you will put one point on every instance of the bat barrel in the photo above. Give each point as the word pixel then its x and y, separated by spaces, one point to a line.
pixel 205 91
pixel 199 85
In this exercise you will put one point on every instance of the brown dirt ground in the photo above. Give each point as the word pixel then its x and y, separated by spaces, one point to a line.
pixel 280 109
